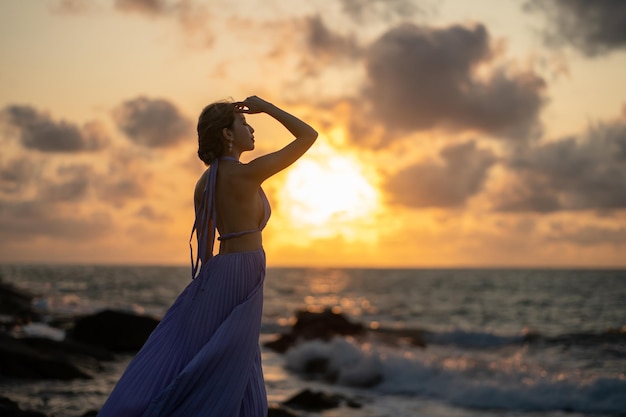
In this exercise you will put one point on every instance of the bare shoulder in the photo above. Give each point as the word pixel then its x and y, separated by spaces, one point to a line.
pixel 200 184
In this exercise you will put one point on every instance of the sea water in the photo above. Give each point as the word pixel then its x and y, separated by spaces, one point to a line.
pixel 511 342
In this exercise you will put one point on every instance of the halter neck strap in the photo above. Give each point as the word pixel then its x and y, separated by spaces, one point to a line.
pixel 204 224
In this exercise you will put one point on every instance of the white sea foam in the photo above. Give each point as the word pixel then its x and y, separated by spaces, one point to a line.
pixel 347 362
pixel 42 330
pixel 467 383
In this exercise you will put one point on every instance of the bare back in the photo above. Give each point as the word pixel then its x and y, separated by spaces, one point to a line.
pixel 239 207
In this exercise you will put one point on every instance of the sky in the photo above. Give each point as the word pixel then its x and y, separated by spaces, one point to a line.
pixel 489 133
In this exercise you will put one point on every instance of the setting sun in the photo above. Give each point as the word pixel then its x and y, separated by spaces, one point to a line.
pixel 332 188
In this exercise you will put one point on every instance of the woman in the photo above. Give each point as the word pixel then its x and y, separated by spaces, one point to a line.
pixel 203 359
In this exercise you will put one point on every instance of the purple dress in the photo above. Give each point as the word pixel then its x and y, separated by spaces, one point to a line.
pixel 203 359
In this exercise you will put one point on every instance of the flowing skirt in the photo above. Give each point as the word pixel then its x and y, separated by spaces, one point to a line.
pixel 203 359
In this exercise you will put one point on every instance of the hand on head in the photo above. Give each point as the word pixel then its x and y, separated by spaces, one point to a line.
pixel 251 105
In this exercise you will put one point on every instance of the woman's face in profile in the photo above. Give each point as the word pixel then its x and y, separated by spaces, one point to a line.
pixel 243 133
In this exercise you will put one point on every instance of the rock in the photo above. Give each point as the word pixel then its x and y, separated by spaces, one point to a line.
pixel 42 358
pixel 327 324
pixel 324 325
pixel 17 303
pixel 311 325
pixel 9 408
pixel 279 411
pixel 353 404
pixel 114 330
pixel 68 347
pixel 91 413
pixel 282 343
pixel 313 401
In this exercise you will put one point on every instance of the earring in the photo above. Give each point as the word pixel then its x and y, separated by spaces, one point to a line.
pixel 230 145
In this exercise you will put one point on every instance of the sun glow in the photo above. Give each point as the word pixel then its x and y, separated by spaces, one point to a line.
pixel 328 189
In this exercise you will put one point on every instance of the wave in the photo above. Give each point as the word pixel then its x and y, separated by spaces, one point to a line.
pixel 478 339
pixel 470 339
pixel 460 380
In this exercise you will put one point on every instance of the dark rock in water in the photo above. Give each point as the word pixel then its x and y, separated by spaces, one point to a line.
pixel 324 325
pixel 9 408
pixel 313 401
pixel 327 324
pixel 114 330
pixel 68 347
pixel 278 411
pixel 282 343
pixel 17 303
pixel 311 325
pixel 42 358
pixel 353 404
pixel 92 413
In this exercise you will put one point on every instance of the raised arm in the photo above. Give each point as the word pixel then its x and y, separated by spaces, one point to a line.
pixel 265 166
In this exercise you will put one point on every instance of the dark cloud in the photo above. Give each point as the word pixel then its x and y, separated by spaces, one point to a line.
pixel 72 6
pixel 152 122
pixel 572 173
pixel 193 18
pixel 362 11
pixel 72 184
pixel 146 212
pixel 450 183
pixel 143 6
pixel 594 27
pixel 326 44
pixel 588 235
pixel 118 191
pixel 323 47
pixel 23 220
pixel 421 78
pixel 38 131
pixel 46 181
pixel 16 174
pixel 127 178
pixel 54 203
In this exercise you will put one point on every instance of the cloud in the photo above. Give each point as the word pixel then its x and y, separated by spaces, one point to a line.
pixel 152 122
pixel 16 174
pixel 56 201
pixel 24 220
pixel 127 178
pixel 147 212
pixel 593 27
pixel 323 48
pixel 587 235
pixel 326 44
pixel 581 172
pixel 72 6
pixel 72 184
pixel 192 17
pixel 362 11
pixel 420 78
pixel 142 6
pixel 118 190
pixel 36 130
pixel 459 175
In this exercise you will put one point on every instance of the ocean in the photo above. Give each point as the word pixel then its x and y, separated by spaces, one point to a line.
pixel 499 342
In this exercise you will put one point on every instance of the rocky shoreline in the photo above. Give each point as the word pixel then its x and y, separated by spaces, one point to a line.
pixel 90 340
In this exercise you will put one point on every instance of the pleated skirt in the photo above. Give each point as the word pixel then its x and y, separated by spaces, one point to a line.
pixel 203 359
